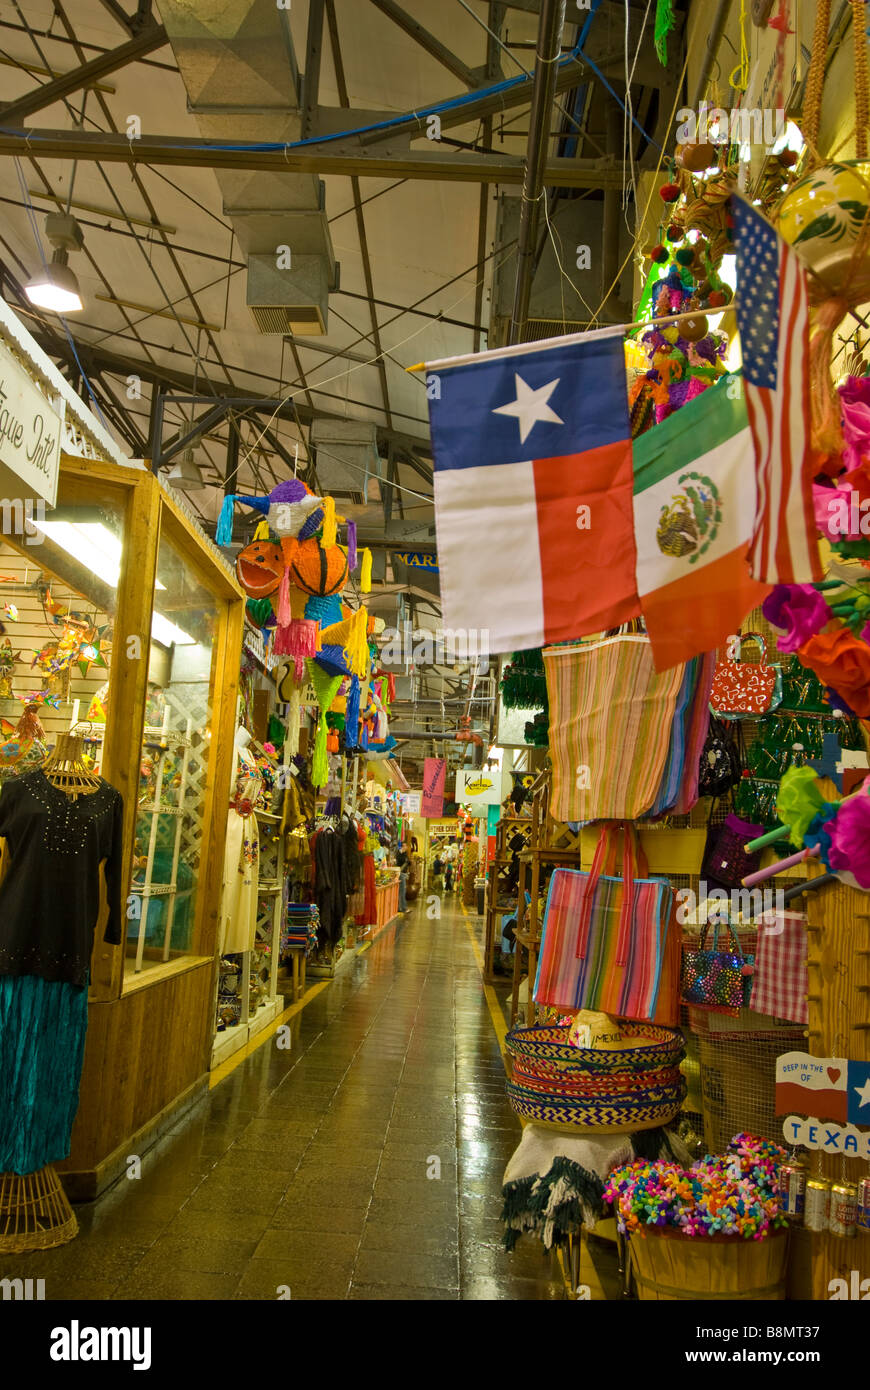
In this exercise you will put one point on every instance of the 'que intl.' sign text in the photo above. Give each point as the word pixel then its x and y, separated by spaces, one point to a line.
pixel 31 428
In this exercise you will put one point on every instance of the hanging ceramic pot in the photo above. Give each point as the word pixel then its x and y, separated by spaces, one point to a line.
pixel 821 217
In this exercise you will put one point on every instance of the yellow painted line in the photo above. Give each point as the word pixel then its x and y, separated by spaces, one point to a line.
pixel 496 1012
pixel 221 1072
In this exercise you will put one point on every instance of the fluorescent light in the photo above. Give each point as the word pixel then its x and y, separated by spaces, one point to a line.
pixel 165 632
pixel 91 543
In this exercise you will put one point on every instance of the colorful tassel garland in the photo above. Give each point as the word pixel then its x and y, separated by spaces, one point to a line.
pixel 224 533
pixel 332 741
pixel 291 742
pixel 319 760
pixel 365 574
pixel 329 528
pixel 283 612
pixel 351 546
pixel 664 23
pixel 351 714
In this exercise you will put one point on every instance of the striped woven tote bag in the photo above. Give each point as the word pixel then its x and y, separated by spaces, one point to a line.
pixel 604 939
pixel 611 715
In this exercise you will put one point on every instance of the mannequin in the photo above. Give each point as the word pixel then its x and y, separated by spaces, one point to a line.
pixel 60 824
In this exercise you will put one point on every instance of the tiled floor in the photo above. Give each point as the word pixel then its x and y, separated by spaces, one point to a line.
pixel 364 1163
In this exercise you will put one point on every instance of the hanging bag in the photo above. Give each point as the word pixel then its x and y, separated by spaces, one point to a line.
pixel 726 862
pixel 605 939
pixel 745 689
pixel 714 979
pixel 606 695
pixel 721 766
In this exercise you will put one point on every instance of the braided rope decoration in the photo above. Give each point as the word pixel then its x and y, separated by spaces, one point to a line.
pixel 816 79
pixel 550 1050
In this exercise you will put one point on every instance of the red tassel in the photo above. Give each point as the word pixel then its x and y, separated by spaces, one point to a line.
pixel 298 638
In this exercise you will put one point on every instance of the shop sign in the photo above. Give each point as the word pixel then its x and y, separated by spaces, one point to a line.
pixel 833 1087
pixel 482 788
pixel 434 778
pixel 810 1133
pixel 417 559
pixel 411 802
pixel 30 435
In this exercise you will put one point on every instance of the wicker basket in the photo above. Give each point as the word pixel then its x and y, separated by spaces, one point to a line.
pixel 669 1266
pixel 619 1114
pixel 549 1050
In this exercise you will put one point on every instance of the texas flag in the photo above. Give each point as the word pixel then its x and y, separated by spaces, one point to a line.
pixel 533 490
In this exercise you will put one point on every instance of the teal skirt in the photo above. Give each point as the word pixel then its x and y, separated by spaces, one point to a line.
pixel 42 1044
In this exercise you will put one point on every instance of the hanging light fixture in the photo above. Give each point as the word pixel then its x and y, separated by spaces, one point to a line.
pixel 55 287
pixel 186 474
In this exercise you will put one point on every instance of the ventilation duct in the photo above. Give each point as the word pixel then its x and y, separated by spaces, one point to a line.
pixel 347 454
pixel 237 61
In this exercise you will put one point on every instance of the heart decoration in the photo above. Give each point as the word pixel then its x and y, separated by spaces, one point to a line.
pixel 833 1075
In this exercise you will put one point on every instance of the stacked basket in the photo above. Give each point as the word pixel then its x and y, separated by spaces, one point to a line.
pixel 596 1091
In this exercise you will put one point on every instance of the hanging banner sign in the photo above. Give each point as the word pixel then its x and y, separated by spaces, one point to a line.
pixel 411 803
pixel 827 1138
pixel 31 428
pixel 480 789
pixel 434 778
pixel 832 1087
pixel 417 559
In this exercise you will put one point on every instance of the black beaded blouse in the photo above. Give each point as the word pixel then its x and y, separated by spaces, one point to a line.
pixel 50 897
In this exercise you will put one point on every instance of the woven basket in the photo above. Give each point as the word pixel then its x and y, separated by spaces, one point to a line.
pixel 669 1266
pixel 550 1051
pixel 592 1084
pixel 603 1115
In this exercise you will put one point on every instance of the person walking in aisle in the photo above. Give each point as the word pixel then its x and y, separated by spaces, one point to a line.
pixel 449 867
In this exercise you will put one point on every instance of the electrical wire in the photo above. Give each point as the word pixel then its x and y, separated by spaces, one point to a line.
pixel 32 219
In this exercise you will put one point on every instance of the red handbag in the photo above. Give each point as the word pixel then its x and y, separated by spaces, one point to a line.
pixel 744 689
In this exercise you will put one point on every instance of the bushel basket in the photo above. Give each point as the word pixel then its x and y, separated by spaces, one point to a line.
pixel 669 1266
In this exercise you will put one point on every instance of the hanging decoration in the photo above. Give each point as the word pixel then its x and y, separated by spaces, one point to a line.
pixel 294 572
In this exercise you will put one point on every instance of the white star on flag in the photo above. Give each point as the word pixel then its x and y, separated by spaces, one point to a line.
pixel 864 1092
pixel 530 406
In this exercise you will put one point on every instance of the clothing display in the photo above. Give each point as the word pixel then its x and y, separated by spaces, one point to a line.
pixel 49 905
pixel 55 846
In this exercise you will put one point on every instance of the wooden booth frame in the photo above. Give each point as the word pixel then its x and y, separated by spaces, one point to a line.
pixel 148 1048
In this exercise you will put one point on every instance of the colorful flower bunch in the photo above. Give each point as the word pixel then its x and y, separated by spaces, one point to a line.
pixel 707 1199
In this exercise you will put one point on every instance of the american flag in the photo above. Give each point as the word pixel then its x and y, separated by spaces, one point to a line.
pixel 773 318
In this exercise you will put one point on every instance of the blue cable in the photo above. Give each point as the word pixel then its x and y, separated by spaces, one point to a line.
pixel 450 104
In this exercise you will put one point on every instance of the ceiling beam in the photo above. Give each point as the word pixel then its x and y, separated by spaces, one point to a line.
pixel 104 148
pixel 434 47
pixel 14 112
pixel 313 55
pixel 96 359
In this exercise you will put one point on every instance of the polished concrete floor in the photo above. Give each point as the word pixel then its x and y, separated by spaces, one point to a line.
pixel 363 1163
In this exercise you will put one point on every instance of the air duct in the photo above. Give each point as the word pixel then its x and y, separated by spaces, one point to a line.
pixel 237 61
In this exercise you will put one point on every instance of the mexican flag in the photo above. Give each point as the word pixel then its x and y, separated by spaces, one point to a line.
pixel 694 514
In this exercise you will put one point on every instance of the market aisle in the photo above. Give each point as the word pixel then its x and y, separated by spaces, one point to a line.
pixel 309 1169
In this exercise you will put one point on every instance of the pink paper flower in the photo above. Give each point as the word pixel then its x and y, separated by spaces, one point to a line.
pixel 850 838
pixel 855 401
pixel 800 609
